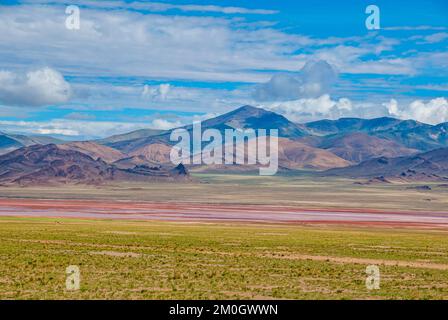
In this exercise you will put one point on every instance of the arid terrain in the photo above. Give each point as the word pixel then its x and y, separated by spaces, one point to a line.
pixel 196 212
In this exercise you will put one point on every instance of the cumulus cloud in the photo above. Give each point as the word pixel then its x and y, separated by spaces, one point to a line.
pixel 36 88
pixel 324 107
pixel 163 124
pixel 119 42
pixel 433 112
pixel 313 80
pixel 302 110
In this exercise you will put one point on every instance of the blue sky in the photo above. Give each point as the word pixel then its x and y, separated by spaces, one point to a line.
pixel 138 64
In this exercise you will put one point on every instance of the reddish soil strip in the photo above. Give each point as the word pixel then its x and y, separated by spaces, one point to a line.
pixel 398 263
pixel 99 209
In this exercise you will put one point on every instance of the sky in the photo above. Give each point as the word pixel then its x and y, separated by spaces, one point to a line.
pixel 145 64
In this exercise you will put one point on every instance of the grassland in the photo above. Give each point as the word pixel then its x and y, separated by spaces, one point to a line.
pixel 158 260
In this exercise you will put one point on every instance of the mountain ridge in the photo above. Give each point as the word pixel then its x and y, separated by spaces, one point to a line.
pixel 52 164
pixel 317 145
pixel 427 165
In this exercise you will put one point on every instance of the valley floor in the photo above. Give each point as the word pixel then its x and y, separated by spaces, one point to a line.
pixel 226 237
pixel 301 191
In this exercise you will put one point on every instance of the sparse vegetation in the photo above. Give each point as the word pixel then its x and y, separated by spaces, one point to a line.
pixel 157 260
pixel 153 260
pixel 303 190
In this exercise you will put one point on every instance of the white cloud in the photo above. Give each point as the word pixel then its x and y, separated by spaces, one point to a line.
pixel 64 132
pixel 433 112
pixel 117 42
pixel 325 107
pixel 348 58
pixel 159 92
pixel 315 79
pixel 88 129
pixel 436 37
pixel 163 124
pixel 414 28
pixel 303 110
pixel 432 38
pixel 36 88
pixel 82 129
pixel 158 6
pixel 129 43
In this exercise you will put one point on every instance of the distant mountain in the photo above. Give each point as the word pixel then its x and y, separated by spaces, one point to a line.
pixel 51 164
pixel 246 117
pixel 295 155
pixel 345 125
pixel 424 137
pixel 10 142
pixel 318 145
pixel 428 165
pixel 94 150
pixel 292 155
pixel 357 147
pixel 156 152
pixel 31 140
pixel 408 133
pixel 138 134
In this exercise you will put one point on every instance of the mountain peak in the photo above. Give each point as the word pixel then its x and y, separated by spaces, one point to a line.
pixel 249 117
pixel 247 111
pixel 247 107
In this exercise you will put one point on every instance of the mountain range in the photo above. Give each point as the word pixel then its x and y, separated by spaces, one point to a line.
pixel 431 165
pixel 52 164
pixel 353 147
pixel 10 142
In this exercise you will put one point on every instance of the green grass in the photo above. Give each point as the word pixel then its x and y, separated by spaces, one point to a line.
pixel 155 260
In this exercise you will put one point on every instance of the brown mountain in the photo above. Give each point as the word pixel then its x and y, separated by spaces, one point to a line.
pixel 357 147
pixel 317 145
pixel 138 134
pixel 292 155
pixel 156 152
pixel 131 162
pixel 296 155
pixel 242 118
pixel 94 150
pixel 430 165
pixel 156 148
pixel 50 164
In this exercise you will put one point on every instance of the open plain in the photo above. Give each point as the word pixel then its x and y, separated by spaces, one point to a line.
pixel 225 237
